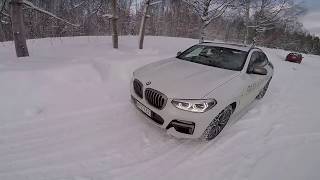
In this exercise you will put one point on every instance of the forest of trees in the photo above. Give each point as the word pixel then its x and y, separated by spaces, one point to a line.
pixel 270 23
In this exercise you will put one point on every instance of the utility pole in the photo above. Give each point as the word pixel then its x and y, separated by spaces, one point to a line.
pixel 143 23
pixel 114 20
pixel 18 29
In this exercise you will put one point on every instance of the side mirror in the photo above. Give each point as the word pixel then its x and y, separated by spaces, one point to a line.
pixel 259 71
pixel 178 53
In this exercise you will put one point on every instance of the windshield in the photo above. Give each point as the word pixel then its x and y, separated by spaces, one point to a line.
pixel 220 57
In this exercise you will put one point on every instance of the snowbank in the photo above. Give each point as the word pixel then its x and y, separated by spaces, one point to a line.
pixel 65 114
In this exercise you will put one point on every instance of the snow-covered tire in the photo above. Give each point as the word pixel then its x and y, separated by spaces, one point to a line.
pixel 218 123
pixel 263 91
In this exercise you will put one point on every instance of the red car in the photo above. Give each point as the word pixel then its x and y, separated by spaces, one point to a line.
pixel 294 57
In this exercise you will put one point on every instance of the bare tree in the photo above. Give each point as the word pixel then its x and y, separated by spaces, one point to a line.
pixel 114 20
pixel 143 23
pixel 259 19
pixel 209 10
pixel 267 14
pixel 270 11
pixel 18 28
pixel 247 20
pixel 145 15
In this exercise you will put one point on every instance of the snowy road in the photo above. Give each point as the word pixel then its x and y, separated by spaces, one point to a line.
pixel 65 114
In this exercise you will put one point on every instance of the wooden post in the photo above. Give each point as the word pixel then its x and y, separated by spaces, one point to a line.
pixel 18 29
pixel 114 24
pixel 143 23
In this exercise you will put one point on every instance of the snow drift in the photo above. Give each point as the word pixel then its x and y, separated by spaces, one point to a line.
pixel 65 113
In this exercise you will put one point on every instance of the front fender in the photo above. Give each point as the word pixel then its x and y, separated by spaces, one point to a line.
pixel 227 94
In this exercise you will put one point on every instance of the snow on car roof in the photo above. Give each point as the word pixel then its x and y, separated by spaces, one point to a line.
pixel 240 47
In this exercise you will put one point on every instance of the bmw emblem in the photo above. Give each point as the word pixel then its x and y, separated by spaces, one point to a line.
pixel 148 83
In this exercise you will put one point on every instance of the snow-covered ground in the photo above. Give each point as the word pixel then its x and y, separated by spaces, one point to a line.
pixel 65 114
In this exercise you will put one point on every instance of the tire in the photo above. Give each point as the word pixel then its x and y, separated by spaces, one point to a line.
pixel 217 124
pixel 263 91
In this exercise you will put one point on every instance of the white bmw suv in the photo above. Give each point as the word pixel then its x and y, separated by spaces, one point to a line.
pixel 194 94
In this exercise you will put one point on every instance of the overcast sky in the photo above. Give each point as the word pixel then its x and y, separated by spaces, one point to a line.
pixel 311 20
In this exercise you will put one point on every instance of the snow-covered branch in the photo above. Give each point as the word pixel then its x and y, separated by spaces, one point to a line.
pixel 3 5
pixel 208 10
pixel 2 9
pixel 32 6
pixel 4 22
pixel 274 14
pixel 155 3
pixel 5 14
pixel 261 25
pixel 2 13
pixel 270 13
pixel 110 16
pixel 78 5
pixel 96 10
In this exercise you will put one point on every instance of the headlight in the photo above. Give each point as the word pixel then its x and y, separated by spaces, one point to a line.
pixel 197 106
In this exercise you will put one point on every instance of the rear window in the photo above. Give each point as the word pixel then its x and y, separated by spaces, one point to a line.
pixel 294 54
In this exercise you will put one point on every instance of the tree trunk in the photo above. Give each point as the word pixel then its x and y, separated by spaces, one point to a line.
pixel 2 33
pixel 228 31
pixel 114 20
pixel 143 23
pixel 204 24
pixel 18 28
pixel 247 19
pixel 202 32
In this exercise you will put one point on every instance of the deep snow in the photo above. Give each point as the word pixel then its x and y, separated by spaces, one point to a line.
pixel 65 113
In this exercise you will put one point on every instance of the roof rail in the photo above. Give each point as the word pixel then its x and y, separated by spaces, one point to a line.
pixel 234 44
pixel 253 44
pixel 204 42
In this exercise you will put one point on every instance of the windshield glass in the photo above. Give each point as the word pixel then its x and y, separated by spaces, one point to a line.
pixel 220 57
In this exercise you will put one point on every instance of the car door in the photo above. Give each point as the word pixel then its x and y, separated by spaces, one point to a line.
pixel 253 83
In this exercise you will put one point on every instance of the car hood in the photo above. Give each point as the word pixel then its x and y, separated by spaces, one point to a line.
pixel 181 79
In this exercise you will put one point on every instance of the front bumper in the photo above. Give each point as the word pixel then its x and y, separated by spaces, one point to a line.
pixel 179 123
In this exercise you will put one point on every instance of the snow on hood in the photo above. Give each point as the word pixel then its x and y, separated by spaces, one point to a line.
pixel 182 79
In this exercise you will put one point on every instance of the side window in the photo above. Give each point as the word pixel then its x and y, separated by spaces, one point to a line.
pixel 254 58
pixel 195 52
pixel 258 59
pixel 265 60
